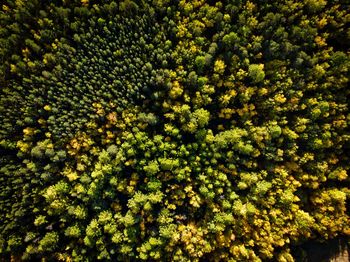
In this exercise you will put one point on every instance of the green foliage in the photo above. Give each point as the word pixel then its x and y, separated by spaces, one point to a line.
pixel 152 168
pixel 202 117
pixel 256 72
pixel 230 39
pixel 48 242
pixel 172 130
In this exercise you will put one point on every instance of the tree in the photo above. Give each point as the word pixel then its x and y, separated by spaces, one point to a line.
pixel 256 72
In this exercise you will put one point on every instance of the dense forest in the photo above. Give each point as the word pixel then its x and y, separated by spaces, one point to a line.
pixel 185 130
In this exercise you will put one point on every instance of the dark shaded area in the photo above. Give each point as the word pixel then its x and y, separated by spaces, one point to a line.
pixel 337 249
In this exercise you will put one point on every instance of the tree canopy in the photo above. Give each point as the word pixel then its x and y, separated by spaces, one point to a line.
pixel 172 130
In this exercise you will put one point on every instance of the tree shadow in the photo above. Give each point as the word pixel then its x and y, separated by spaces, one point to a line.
pixel 334 250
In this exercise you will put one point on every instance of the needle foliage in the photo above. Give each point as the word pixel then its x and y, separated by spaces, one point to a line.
pixel 172 130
